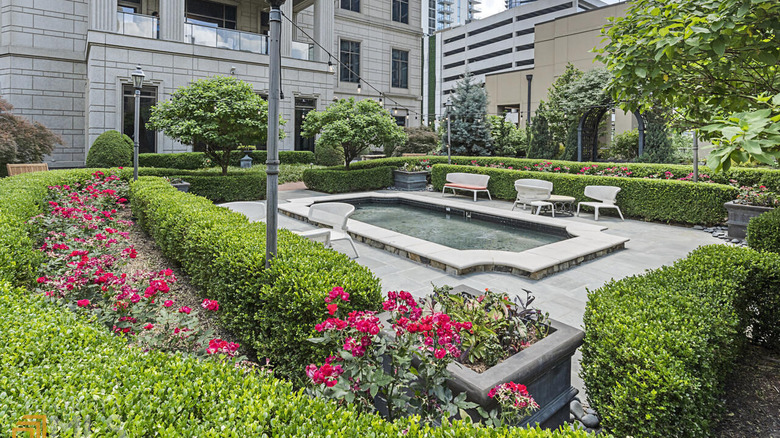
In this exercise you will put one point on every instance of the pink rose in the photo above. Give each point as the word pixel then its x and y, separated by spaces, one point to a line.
pixel 82 303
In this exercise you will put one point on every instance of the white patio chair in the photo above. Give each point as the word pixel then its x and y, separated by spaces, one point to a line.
pixel 606 195
pixel 333 214
pixel 534 192
pixel 254 211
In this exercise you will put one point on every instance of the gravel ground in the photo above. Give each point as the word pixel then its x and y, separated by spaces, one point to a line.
pixel 183 293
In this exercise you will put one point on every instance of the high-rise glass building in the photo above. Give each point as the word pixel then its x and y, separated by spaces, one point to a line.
pixel 443 14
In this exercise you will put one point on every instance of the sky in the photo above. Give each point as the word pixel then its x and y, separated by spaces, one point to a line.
pixel 490 7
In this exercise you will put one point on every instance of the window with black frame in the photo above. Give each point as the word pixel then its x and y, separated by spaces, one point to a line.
pixel 401 11
pixel 350 61
pixel 212 14
pixel 400 69
pixel 147 141
pixel 351 5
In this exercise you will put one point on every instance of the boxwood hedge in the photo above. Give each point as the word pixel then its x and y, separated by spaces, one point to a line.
pixel 235 186
pixel 89 382
pixel 338 180
pixel 650 199
pixel 763 231
pixel 659 347
pixel 197 160
pixel 743 175
pixel 272 310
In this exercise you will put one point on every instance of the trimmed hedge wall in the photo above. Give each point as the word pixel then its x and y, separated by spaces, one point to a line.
pixel 763 231
pixel 744 175
pixel 650 199
pixel 271 310
pixel 196 160
pixel 338 180
pixel 235 186
pixel 659 347
pixel 83 378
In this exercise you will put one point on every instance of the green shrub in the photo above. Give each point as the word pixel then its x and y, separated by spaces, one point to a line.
pixel 650 199
pixel 197 160
pixel 81 377
pixel 626 145
pixel 659 347
pixel 338 180
pixel 271 310
pixel 763 232
pixel 327 155
pixel 111 149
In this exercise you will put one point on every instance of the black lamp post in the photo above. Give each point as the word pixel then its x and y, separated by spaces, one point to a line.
pixel 138 82
pixel 448 105
pixel 272 158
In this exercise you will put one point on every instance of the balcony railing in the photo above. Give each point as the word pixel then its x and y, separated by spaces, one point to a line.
pixel 223 38
pixel 137 25
pixel 301 50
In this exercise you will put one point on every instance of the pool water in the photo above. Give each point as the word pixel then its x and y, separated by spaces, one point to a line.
pixel 451 229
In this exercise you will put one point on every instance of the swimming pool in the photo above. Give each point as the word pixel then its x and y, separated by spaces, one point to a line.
pixel 454 228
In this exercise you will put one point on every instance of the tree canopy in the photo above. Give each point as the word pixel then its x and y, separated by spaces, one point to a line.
pixel 508 139
pixel 223 113
pixel 698 57
pixel 352 127
pixel 469 130
pixel 22 141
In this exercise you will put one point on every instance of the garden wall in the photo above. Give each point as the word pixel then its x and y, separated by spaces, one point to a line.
pixel 650 199
pixel 659 347
pixel 338 180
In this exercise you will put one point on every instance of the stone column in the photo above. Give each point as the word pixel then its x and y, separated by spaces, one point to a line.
pixel 323 29
pixel 103 15
pixel 287 28
pixel 172 20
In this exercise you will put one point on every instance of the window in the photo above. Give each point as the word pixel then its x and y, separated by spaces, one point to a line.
pixel 351 5
pixel 147 140
pixel 302 107
pixel 129 6
pixel 401 11
pixel 400 75
pixel 350 61
pixel 211 14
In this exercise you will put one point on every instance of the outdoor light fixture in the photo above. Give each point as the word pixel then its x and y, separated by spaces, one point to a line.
pixel 449 155
pixel 138 82
pixel 233 70
pixel 330 67
pixel 360 87
pixel 395 111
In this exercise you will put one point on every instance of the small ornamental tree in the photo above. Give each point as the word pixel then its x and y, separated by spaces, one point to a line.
pixel 508 139
pixel 22 141
pixel 352 127
pixel 540 143
pixel 469 128
pixel 222 113
pixel 559 115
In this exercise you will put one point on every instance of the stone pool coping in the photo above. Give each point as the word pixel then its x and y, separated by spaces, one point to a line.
pixel 587 241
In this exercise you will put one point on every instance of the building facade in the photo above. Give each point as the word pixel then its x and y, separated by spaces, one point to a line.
pixel 443 14
pixel 501 42
pixel 67 63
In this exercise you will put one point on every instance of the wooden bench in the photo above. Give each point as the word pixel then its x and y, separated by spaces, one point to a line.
pixel 371 157
pixel 414 155
pixel 18 169
pixel 471 182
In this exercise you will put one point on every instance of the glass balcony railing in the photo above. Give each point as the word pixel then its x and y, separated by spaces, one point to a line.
pixel 137 25
pixel 303 51
pixel 223 38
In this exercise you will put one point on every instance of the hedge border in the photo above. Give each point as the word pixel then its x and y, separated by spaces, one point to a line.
pixel 195 160
pixel 338 180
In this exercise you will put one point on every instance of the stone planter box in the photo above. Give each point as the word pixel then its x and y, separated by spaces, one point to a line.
pixel 544 368
pixel 409 181
pixel 740 215
pixel 182 186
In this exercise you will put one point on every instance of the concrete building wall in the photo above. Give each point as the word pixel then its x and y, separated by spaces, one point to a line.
pixel 62 62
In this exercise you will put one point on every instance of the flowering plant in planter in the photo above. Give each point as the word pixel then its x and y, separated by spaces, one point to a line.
pixel 85 246
pixel 407 371
pixel 756 195
pixel 420 166
pixel 500 327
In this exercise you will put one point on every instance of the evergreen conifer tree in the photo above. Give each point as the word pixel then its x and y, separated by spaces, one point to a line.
pixel 470 130
pixel 541 143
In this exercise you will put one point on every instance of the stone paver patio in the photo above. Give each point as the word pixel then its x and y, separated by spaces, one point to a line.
pixel 564 294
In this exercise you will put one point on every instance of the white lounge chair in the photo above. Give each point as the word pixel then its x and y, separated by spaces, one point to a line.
pixel 333 214
pixel 534 192
pixel 606 195
pixel 254 211
pixel 472 182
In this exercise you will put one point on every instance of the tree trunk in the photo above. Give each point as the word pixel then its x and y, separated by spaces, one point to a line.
pixel 224 169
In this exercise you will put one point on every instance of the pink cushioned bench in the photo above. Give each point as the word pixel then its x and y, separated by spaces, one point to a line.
pixel 467 181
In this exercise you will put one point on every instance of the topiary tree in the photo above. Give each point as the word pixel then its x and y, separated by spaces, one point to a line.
pixel 508 139
pixel 22 141
pixel 352 127
pixel 111 149
pixel 220 112
pixel 540 144
pixel 469 130
pixel 658 144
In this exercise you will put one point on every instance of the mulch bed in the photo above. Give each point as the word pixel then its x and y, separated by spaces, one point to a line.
pixel 752 399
